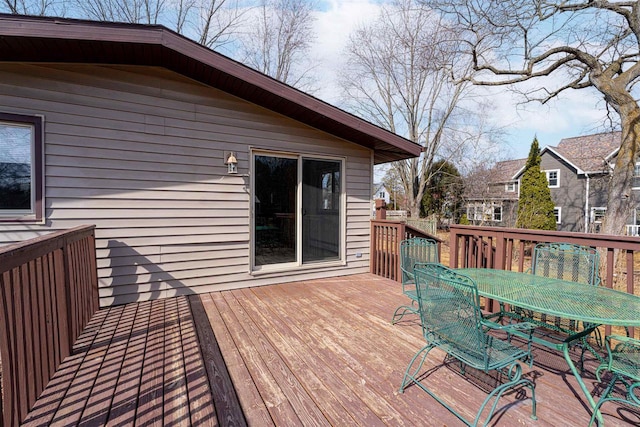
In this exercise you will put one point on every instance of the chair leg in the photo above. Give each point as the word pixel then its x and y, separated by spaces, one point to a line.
pixel 402 310
pixel 413 376
pixel 605 395
pixel 515 376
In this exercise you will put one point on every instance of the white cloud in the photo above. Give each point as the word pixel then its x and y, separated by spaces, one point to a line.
pixel 575 113
pixel 334 23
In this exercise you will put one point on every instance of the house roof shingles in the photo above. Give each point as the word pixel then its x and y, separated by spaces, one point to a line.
pixel 589 153
pixel 46 39
pixel 505 171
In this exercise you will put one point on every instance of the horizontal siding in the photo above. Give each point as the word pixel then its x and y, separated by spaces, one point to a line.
pixel 139 152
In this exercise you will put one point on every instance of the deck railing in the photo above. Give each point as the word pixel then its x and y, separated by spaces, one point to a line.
pixel 509 249
pixel 386 236
pixel 48 292
pixel 633 230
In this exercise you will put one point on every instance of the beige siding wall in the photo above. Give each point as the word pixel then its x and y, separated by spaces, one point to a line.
pixel 139 152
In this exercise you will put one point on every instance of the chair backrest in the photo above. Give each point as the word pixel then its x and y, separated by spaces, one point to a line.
pixel 417 250
pixel 450 310
pixel 566 261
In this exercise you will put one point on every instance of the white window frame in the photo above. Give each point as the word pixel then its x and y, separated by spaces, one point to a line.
pixel 493 212
pixel 548 172
pixel 636 176
pixel 593 214
pixel 510 187
pixel 557 212
pixel 478 214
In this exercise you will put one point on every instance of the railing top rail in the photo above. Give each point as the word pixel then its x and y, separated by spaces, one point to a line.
pixel 388 221
pixel 20 253
pixel 415 230
pixel 591 239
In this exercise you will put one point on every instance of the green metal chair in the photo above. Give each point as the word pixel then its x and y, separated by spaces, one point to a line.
pixel 564 261
pixel 624 364
pixel 413 251
pixel 449 308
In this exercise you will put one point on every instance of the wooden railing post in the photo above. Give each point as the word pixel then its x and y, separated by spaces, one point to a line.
pixel 453 248
pixel 381 209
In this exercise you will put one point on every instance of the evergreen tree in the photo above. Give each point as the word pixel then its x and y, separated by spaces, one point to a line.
pixel 535 206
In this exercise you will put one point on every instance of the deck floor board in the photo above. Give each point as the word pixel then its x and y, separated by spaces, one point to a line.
pixel 320 352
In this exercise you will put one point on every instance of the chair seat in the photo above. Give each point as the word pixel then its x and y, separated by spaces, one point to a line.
pixel 627 364
pixel 498 355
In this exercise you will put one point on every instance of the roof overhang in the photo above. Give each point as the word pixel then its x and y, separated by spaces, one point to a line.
pixel 56 40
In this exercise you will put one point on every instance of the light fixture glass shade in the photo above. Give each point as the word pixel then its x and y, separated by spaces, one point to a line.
pixel 232 163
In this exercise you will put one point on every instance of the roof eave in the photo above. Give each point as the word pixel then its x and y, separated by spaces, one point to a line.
pixel 197 62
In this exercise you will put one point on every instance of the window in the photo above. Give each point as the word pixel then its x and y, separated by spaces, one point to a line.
pixel 20 168
pixel 298 212
pixel 635 183
pixel 510 187
pixel 557 213
pixel 597 214
pixel 636 170
pixel 497 213
pixel 474 212
pixel 553 177
pixel 485 212
pixel 381 195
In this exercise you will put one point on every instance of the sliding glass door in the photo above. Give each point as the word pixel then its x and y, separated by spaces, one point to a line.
pixel 297 210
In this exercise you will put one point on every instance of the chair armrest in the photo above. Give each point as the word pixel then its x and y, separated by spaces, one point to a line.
pixel 624 343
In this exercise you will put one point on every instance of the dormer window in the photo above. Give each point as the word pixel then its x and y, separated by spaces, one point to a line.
pixel 510 187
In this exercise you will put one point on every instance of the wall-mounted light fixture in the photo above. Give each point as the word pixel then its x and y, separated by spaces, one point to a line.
pixel 231 162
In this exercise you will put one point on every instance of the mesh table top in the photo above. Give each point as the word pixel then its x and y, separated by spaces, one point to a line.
pixel 570 300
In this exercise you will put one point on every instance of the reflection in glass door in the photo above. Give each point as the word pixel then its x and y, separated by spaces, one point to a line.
pixel 275 186
pixel 320 210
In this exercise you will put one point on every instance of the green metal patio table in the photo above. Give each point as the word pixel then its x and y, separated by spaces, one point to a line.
pixel 593 305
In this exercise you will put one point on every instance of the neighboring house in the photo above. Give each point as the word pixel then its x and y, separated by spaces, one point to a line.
pixel 200 174
pixel 577 171
pixel 381 192
pixel 492 195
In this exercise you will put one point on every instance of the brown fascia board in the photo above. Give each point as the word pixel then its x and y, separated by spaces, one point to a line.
pixel 79 41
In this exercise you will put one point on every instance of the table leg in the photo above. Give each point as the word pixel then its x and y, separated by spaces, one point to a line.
pixel 572 366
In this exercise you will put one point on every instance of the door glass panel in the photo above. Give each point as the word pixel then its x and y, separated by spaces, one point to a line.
pixel 275 205
pixel 320 210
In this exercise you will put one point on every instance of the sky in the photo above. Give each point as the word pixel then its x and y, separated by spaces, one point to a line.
pixel 575 113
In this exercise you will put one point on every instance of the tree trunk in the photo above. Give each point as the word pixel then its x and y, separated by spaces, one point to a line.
pixel 620 199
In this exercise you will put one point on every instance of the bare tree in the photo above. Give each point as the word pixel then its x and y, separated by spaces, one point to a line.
pixel 563 45
pixel 278 40
pixel 217 21
pixel 34 7
pixel 131 11
pixel 398 76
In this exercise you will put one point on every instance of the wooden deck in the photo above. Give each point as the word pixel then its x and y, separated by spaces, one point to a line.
pixel 307 353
